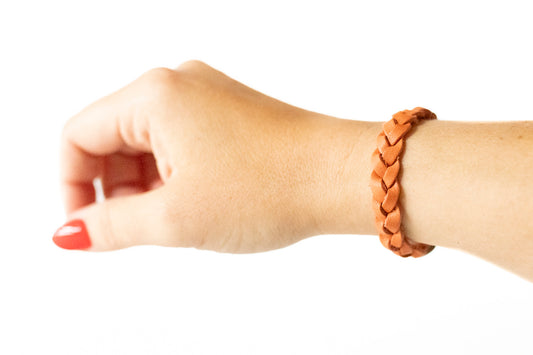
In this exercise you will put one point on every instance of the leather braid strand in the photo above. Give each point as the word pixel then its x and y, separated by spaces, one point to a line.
pixel 385 185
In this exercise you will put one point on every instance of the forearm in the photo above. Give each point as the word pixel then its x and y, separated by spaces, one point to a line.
pixel 465 185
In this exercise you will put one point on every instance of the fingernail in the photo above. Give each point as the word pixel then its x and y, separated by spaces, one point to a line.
pixel 72 235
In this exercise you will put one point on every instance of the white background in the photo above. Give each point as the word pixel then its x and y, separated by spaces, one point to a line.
pixel 341 294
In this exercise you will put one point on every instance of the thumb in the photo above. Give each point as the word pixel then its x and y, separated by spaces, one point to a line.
pixel 118 223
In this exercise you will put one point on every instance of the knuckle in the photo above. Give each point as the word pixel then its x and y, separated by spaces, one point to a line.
pixel 192 65
pixel 68 129
pixel 65 132
pixel 68 137
pixel 158 75
pixel 159 82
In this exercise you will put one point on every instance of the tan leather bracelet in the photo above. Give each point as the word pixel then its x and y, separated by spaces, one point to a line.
pixel 386 187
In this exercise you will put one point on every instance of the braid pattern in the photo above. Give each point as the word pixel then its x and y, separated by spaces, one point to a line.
pixel 385 185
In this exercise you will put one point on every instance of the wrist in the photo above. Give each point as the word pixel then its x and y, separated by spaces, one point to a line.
pixel 340 195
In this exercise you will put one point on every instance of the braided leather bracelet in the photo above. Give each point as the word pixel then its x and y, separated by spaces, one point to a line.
pixel 385 185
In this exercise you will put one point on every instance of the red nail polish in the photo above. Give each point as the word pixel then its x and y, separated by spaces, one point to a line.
pixel 72 235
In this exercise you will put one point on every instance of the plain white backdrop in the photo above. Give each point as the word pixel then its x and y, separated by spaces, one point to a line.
pixel 331 294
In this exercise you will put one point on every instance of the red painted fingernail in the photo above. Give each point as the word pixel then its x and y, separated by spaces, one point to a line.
pixel 72 235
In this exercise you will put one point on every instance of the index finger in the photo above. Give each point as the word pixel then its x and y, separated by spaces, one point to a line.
pixel 114 123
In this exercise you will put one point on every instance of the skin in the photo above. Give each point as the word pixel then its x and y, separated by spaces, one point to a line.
pixel 192 158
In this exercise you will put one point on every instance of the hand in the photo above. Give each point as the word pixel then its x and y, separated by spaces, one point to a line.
pixel 192 158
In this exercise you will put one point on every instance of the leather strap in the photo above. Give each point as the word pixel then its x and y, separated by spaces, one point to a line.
pixel 385 184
